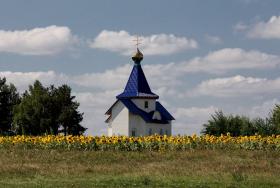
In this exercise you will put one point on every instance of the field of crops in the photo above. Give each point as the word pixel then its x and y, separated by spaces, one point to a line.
pixel 148 143
pixel 151 161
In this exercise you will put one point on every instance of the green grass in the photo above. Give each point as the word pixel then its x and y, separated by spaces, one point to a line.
pixel 194 168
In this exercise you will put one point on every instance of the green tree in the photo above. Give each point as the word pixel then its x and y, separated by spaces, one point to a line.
pixel 45 110
pixel 275 119
pixel 69 117
pixel 217 125
pixel 263 126
pixel 235 125
pixel 245 126
pixel 32 115
pixel 9 97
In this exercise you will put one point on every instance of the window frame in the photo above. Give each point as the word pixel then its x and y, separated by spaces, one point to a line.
pixel 146 104
pixel 133 132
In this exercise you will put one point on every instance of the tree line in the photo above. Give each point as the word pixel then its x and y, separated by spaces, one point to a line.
pixel 52 110
pixel 237 125
pixel 39 110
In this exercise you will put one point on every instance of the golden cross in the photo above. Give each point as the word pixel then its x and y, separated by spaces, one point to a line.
pixel 137 40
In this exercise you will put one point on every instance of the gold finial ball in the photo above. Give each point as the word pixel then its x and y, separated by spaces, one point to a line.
pixel 137 57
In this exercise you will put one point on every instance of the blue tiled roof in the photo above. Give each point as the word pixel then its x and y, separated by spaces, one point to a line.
pixel 163 111
pixel 137 85
pixel 148 117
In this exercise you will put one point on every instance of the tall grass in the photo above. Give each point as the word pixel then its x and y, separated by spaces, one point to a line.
pixel 192 168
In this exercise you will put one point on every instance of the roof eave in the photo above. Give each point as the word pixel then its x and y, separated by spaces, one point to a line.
pixel 108 119
pixel 109 111
pixel 137 97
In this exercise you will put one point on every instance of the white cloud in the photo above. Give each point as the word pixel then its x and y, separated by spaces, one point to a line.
pixel 38 41
pixel 263 109
pixel 116 78
pixel 194 112
pixel 228 59
pixel 213 39
pixel 100 89
pixel 236 86
pixel 109 79
pixel 219 62
pixel 265 30
pixel 216 62
pixel 94 105
pixel 23 79
pixel 97 91
pixel 190 120
pixel 158 44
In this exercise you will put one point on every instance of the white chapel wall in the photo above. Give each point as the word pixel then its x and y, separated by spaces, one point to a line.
pixel 136 123
pixel 163 129
pixel 143 129
pixel 119 120
pixel 140 103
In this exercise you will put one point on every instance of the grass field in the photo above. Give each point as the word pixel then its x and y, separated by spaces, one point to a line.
pixel 193 168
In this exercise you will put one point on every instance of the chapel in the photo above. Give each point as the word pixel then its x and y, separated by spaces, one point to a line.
pixel 137 111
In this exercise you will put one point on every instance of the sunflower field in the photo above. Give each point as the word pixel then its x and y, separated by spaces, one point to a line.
pixel 148 143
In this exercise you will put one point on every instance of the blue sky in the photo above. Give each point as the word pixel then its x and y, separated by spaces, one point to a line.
pixel 199 56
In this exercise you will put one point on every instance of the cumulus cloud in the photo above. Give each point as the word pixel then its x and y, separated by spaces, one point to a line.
pixel 264 108
pixel 216 62
pixel 264 30
pixel 96 98
pixel 119 75
pixel 99 89
pixel 158 44
pixel 109 79
pixel 38 41
pixel 190 120
pixel 228 59
pixel 23 79
pixel 236 86
pixel 94 105
pixel 96 91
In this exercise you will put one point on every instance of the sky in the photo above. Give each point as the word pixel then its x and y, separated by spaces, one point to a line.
pixel 199 56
